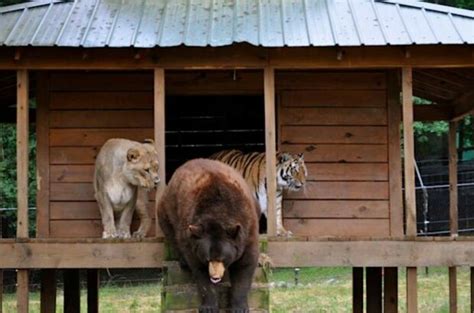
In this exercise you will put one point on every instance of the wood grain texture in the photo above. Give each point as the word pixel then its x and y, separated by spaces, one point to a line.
pixel 333 98
pixel 318 80
pixel 358 290
pixel 102 119
pixel 395 155
pixel 338 227
pixel 342 190
pixel 412 290
pixel 101 100
pixel 84 210
pixel 409 152
pixel 94 136
pixel 336 209
pixel 390 289
pixel 22 291
pixel 333 116
pixel 347 171
pixel 86 228
pixel 48 291
pixel 374 289
pixel 453 290
pixel 334 134
pixel 73 155
pixel 42 155
pixel 22 130
pixel 358 153
pixel 71 173
pixel 453 179
pixel 270 148
pixel 159 117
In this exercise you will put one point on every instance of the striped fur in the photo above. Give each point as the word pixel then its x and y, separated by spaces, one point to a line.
pixel 291 175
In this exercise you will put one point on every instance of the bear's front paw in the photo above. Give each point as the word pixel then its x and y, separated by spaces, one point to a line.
pixel 139 234
pixel 208 309
pixel 239 310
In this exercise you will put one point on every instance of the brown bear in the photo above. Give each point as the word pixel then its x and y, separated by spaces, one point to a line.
pixel 210 218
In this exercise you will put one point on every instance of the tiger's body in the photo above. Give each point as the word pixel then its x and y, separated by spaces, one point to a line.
pixel 291 175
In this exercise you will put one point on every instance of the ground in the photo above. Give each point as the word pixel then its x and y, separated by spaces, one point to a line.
pixel 319 290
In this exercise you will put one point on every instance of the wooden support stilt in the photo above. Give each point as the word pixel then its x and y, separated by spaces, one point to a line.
pixel 453 210
pixel 409 171
pixel 22 121
pixel 270 148
pixel 390 290
pixel 48 291
pixel 374 289
pixel 159 133
pixel 93 281
pixel 72 291
pixel 358 290
pixel 472 289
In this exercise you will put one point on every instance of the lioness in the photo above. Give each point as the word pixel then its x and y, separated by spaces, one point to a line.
pixel 124 171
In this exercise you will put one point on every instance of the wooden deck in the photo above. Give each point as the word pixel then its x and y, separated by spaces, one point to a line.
pixel 299 252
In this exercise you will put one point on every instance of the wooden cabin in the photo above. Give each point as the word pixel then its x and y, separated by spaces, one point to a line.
pixel 332 79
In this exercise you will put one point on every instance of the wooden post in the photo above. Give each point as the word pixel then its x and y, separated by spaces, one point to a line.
pixel 472 289
pixel 390 290
pixel 159 133
pixel 22 121
pixel 453 210
pixel 48 291
pixel 72 291
pixel 374 289
pixel 270 148
pixel 394 154
pixel 358 290
pixel 409 170
pixel 93 291
pixel 1 271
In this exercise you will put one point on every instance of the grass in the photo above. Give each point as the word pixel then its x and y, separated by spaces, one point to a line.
pixel 319 290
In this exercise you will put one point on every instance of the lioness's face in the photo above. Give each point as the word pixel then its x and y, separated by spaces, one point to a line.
pixel 142 166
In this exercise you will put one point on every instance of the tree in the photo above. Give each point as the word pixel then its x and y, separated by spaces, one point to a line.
pixel 464 4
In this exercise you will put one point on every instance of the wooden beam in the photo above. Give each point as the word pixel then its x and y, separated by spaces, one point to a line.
pixel 358 290
pixel 374 289
pixel 85 254
pixel 388 252
pixel 433 112
pixel 93 281
pixel 453 179
pixel 409 151
pixel 159 133
pixel 22 128
pixel 42 156
pixel 238 56
pixel 453 290
pixel 390 293
pixel 72 291
pixel 412 290
pixel 395 155
pixel 270 149
pixel 464 105
pixel 48 291
pixel 453 209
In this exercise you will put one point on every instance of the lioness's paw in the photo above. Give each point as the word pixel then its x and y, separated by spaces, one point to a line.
pixel 138 234
pixel 124 234
pixel 284 233
pixel 109 234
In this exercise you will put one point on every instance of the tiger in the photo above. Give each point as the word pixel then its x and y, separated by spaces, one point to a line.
pixel 291 175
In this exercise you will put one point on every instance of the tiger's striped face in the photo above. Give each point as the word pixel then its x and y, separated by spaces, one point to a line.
pixel 291 171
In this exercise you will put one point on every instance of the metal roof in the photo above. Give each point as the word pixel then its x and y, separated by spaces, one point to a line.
pixel 268 23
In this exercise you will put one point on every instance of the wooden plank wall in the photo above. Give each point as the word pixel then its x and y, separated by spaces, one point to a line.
pixel 86 109
pixel 339 120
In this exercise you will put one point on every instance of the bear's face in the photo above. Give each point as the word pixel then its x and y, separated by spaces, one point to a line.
pixel 215 246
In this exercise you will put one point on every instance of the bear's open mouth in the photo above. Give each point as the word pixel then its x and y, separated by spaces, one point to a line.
pixel 215 280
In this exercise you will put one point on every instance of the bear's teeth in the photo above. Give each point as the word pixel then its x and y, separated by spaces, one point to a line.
pixel 215 280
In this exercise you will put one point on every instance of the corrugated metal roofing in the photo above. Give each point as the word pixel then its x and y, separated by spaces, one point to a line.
pixel 268 23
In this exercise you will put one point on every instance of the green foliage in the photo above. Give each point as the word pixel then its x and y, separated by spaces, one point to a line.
pixel 8 175
pixel 465 4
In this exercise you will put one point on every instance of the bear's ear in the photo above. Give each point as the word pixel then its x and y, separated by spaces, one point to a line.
pixel 234 231
pixel 195 230
pixel 133 155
